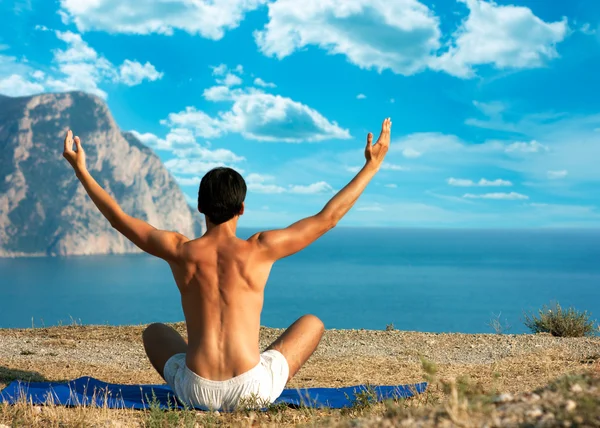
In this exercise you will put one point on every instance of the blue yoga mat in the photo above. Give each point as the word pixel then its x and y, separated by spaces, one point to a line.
pixel 87 391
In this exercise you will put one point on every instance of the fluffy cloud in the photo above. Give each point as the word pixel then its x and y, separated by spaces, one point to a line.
pixel 259 82
pixel 319 187
pixel 409 152
pixel 201 124
pixel 79 67
pixel 257 115
pixel 407 31
pixel 17 86
pixel 503 36
pixel 555 175
pixel 230 80
pixel 195 166
pixel 208 18
pixel 361 96
pixel 259 183
pixel 408 37
pixel 502 196
pixel 460 182
pixel 524 147
pixel 188 181
pixel 266 117
pixel 133 73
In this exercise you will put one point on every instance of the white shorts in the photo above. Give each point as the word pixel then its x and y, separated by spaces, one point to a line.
pixel 258 387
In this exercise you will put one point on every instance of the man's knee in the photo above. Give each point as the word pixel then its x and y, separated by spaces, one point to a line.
pixel 152 331
pixel 315 322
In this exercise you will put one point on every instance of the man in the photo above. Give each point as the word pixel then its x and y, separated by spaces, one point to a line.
pixel 221 279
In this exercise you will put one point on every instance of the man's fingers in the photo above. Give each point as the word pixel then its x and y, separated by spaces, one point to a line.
pixel 69 141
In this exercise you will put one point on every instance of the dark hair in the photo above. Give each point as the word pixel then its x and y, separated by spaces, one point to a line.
pixel 222 191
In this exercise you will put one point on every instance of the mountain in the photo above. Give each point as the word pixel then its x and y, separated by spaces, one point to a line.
pixel 44 210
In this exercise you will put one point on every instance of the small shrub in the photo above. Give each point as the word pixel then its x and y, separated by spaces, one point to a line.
pixel 390 327
pixel 497 325
pixel 561 322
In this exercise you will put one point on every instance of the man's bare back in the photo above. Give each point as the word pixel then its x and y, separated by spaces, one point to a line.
pixel 222 278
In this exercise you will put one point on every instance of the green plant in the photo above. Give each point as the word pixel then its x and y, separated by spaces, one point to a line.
pixel 390 327
pixel 560 322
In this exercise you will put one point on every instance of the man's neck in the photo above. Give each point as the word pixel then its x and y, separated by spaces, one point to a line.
pixel 226 229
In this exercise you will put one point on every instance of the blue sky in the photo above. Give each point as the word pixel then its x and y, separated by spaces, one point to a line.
pixel 494 104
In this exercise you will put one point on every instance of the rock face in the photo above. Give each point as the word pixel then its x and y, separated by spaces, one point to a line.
pixel 44 210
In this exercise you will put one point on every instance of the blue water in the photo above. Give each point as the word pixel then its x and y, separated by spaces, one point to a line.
pixel 425 280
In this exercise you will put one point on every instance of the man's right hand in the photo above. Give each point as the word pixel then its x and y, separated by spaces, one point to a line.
pixel 374 154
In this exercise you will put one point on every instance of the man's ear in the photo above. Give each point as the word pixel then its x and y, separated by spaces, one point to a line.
pixel 242 210
pixel 200 210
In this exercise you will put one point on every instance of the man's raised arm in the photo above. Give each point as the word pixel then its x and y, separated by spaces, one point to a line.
pixel 285 242
pixel 159 243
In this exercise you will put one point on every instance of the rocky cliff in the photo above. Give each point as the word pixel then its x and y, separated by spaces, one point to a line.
pixel 44 210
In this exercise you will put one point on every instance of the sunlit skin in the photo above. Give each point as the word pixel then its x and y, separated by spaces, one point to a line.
pixel 221 278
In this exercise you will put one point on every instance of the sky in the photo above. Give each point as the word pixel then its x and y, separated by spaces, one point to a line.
pixel 495 107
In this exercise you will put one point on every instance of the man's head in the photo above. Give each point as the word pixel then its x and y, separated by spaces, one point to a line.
pixel 221 195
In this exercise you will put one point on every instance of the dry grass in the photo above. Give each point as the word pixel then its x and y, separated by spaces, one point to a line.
pixel 57 355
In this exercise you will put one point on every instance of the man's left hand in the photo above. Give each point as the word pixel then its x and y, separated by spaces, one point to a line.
pixel 75 158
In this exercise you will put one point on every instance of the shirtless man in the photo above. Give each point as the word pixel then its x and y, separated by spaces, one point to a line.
pixel 222 279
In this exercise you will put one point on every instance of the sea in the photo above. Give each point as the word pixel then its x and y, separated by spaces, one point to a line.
pixel 439 280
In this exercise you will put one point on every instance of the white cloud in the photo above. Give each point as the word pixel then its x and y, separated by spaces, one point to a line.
pixel 16 86
pixel 82 68
pixel 502 36
pixel 219 70
pixel 214 155
pixel 407 32
pixel 208 18
pixel 259 183
pixel 194 166
pixel 133 73
pixel 420 143
pixel 259 82
pixel 505 196
pixel 409 152
pixel 408 37
pixel 391 185
pixel 523 147
pixel 218 93
pixel 319 187
pixel 257 115
pixel 201 124
pixel 386 166
pixel 587 29
pixel 361 96
pixel 460 182
pixel 38 75
pixel 188 181
pixel 177 137
pixel 266 117
pixel 230 80
pixel 555 175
